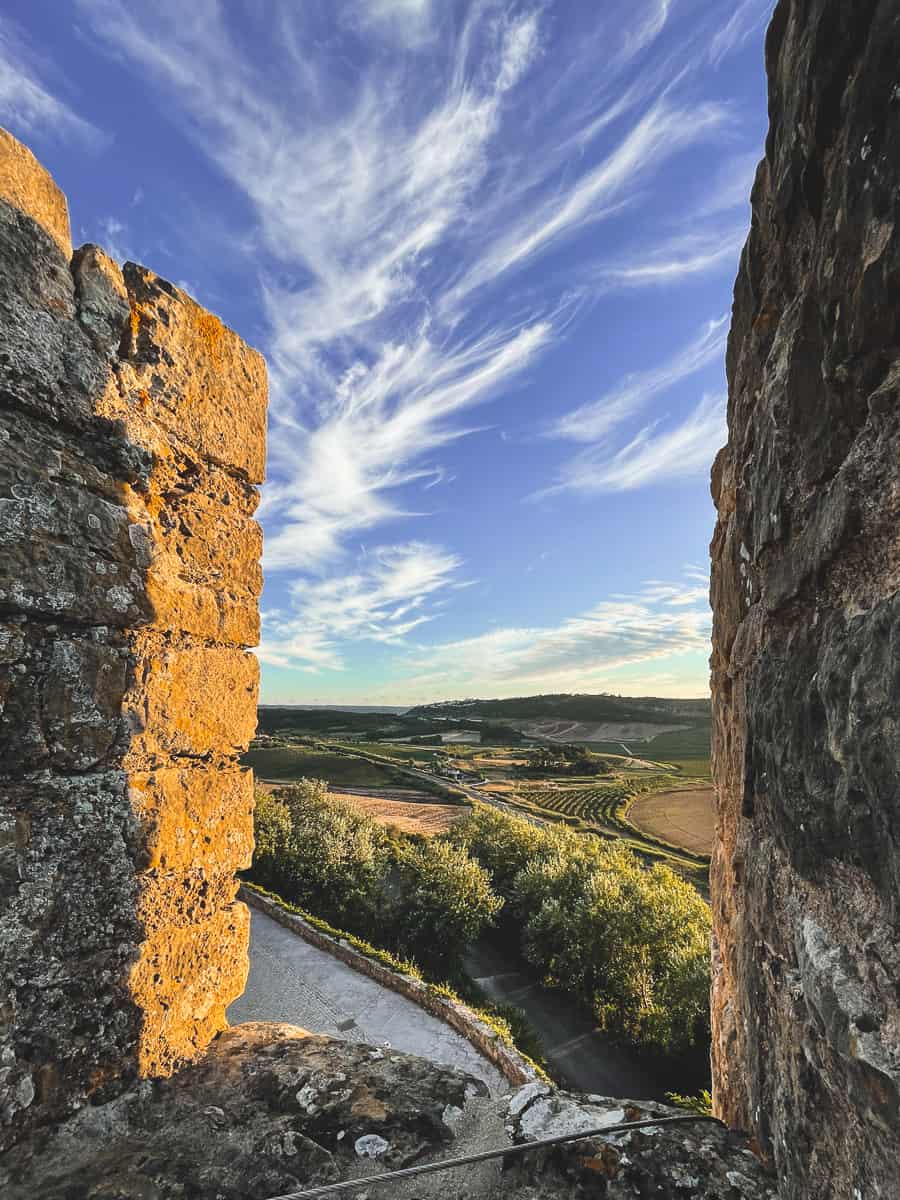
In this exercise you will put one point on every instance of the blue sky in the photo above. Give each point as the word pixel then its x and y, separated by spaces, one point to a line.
pixel 488 249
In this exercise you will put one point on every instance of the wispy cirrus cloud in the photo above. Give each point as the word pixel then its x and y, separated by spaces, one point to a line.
pixel 652 23
pixel 697 252
pixel 592 421
pixel 31 93
pixel 746 16
pixel 581 653
pixel 392 592
pixel 653 455
pixel 370 442
pixel 409 22
pixel 662 132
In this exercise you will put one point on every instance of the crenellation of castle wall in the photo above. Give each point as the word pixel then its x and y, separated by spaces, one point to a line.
pixel 132 438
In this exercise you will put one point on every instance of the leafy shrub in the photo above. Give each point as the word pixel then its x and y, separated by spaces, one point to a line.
pixel 332 859
pixel 700 1104
pixel 632 942
pixel 503 845
pixel 443 901
pixel 272 835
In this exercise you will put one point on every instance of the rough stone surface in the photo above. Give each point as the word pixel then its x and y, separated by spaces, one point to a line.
pixel 131 435
pixel 270 1109
pixel 27 186
pixel 701 1160
pixel 806 660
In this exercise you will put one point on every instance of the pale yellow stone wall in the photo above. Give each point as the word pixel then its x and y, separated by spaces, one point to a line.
pixel 132 438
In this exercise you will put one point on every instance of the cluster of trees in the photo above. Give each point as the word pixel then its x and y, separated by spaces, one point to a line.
pixel 631 942
pixel 425 900
pixel 566 759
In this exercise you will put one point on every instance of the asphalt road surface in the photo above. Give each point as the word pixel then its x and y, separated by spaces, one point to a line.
pixel 577 1053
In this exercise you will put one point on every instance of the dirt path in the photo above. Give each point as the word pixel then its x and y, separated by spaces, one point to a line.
pixel 683 818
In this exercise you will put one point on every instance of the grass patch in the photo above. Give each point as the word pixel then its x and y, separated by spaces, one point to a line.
pixel 401 752
pixel 699 768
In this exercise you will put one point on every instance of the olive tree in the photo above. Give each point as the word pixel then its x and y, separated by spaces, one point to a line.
pixel 443 901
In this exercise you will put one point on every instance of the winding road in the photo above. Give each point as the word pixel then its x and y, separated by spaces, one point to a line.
pixel 293 981
pixel 579 1056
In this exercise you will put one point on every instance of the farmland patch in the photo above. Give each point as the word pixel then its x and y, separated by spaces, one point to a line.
pixel 685 817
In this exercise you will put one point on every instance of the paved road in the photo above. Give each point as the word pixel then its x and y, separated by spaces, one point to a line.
pixel 579 1056
pixel 292 981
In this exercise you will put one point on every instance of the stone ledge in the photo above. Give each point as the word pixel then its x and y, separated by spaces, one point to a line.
pixel 514 1067
pixel 271 1109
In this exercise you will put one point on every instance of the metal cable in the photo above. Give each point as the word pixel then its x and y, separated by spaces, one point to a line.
pixel 367 1181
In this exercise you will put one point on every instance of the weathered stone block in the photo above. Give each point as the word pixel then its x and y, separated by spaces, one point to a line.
pixel 69 554
pixel 169 900
pixel 189 701
pixel 204 612
pixel 61 698
pixel 49 365
pixel 182 984
pixel 193 816
pixel 68 934
pixel 103 308
pixel 203 383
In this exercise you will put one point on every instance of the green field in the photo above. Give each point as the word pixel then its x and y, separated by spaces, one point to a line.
pixel 698 768
pixel 296 762
pixel 402 752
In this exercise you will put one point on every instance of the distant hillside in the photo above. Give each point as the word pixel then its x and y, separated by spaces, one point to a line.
pixel 670 728
pixel 649 709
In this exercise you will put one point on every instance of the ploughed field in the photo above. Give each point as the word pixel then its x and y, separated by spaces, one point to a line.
pixel 685 817
pixel 409 816
pixel 401 808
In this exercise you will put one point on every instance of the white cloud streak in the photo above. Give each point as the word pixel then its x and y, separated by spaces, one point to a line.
pixel 652 456
pixel 694 253
pixel 591 422
pixel 654 21
pixel 746 17
pixel 370 441
pixel 662 132
pixel 27 102
pixel 409 22
pixel 581 653
pixel 394 591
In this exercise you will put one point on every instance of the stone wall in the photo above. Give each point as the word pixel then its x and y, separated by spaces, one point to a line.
pixel 132 432
pixel 806 661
